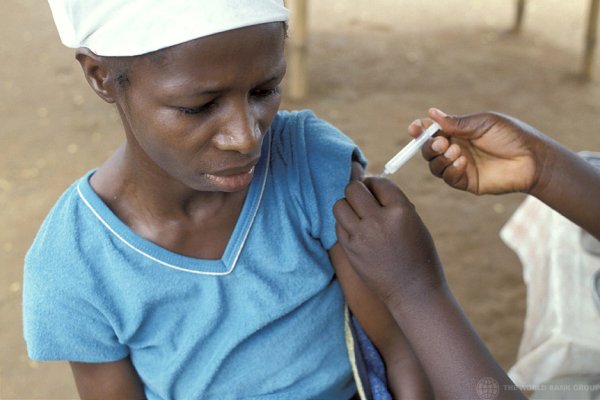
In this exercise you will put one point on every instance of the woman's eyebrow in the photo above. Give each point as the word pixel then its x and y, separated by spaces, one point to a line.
pixel 277 75
pixel 183 90
pixel 272 79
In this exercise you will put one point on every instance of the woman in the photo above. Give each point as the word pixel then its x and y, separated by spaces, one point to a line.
pixel 196 262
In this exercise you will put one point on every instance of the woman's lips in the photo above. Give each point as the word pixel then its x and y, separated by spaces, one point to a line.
pixel 233 181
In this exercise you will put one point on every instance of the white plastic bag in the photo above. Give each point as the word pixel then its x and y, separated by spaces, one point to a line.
pixel 562 323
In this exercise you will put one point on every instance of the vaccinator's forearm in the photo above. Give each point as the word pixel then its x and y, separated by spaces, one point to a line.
pixel 571 186
pixel 456 361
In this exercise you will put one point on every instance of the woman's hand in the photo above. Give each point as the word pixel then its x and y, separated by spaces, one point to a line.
pixel 485 153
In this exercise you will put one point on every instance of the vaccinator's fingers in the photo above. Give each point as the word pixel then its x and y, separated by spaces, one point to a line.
pixel 455 174
pixel 438 165
pixel 361 199
pixel 385 191
pixel 463 126
pixel 417 127
pixel 345 215
pixel 342 234
pixel 434 147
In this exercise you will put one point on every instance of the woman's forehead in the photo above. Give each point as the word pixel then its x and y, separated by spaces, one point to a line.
pixel 251 53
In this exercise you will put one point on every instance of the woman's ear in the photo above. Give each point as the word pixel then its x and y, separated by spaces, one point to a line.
pixel 97 71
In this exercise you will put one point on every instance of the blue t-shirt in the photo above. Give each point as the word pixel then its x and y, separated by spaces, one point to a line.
pixel 265 321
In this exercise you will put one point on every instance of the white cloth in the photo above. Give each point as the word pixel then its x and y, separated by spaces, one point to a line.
pixel 134 27
pixel 562 325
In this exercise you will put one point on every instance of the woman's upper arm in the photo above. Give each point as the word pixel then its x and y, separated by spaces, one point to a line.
pixel 370 311
pixel 406 378
pixel 110 380
pixel 372 314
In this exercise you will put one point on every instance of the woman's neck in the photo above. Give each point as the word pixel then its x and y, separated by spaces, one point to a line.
pixel 164 211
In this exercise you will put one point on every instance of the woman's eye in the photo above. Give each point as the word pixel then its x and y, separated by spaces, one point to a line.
pixel 265 92
pixel 197 110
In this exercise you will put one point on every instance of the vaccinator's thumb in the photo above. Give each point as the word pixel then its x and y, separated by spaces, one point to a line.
pixel 463 126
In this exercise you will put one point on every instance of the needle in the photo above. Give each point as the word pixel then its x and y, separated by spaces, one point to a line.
pixel 409 150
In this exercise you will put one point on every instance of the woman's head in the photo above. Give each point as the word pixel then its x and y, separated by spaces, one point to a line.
pixel 121 66
pixel 127 28
pixel 197 111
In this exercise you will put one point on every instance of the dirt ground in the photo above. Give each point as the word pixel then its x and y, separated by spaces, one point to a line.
pixel 375 65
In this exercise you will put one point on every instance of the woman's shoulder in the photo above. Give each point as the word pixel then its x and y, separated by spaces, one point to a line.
pixel 299 134
pixel 300 122
pixel 312 160
pixel 293 116
pixel 60 234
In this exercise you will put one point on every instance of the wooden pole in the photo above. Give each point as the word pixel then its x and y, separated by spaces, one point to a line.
pixel 590 40
pixel 519 16
pixel 297 50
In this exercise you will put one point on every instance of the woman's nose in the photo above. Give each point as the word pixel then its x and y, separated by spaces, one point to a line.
pixel 240 132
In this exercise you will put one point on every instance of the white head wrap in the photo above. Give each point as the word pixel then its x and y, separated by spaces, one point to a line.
pixel 133 27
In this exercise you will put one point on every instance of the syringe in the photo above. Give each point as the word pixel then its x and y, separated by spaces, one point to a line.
pixel 409 150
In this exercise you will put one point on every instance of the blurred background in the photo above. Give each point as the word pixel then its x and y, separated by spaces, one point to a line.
pixel 373 67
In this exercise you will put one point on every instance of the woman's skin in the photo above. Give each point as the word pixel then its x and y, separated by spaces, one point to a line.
pixel 193 135
pixel 195 116
pixel 491 153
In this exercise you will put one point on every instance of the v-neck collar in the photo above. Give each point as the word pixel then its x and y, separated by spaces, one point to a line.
pixel 167 258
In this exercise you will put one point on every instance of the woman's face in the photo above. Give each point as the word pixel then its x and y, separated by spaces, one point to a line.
pixel 197 113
